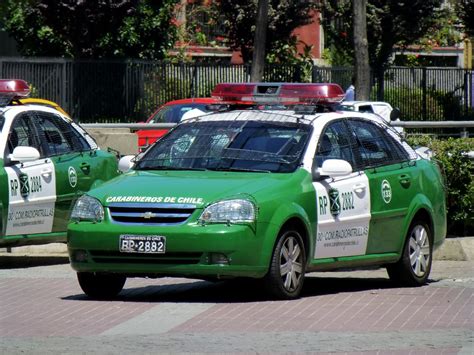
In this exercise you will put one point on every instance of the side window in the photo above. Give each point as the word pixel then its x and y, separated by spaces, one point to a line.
pixel 59 136
pixel 376 146
pixel 336 142
pixel 22 133
pixel 366 108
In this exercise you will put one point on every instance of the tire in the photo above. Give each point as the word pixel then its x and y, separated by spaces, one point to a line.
pixel 285 277
pixel 414 266
pixel 101 286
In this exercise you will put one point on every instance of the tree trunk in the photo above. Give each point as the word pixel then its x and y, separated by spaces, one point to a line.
pixel 258 61
pixel 361 46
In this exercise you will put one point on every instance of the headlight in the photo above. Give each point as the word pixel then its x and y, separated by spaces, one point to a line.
pixel 87 209
pixel 229 211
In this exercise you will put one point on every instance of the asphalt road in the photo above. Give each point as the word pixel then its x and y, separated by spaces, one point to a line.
pixel 43 310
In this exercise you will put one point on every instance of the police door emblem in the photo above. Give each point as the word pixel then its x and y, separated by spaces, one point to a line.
pixel 72 176
pixel 24 185
pixel 334 202
pixel 386 191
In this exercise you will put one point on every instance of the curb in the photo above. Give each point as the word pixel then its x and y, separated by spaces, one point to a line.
pixel 453 249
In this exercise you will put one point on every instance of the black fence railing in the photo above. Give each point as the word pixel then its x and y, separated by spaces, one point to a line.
pixel 128 91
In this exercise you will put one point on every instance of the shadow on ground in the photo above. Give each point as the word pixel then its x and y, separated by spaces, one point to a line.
pixel 22 262
pixel 238 291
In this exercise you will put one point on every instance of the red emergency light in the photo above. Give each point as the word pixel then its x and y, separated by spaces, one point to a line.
pixel 12 89
pixel 278 93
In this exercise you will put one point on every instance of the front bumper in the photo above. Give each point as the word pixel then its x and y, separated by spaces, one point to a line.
pixel 192 250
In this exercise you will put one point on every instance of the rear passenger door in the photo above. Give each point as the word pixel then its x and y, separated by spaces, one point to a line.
pixel 393 184
pixel 72 158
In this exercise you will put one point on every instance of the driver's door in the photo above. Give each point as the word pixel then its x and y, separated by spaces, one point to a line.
pixel 343 203
pixel 31 185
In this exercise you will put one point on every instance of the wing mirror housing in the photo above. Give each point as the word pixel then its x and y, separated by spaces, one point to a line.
pixel 126 163
pixel 24 154
pixel 333 168
pixel 395 114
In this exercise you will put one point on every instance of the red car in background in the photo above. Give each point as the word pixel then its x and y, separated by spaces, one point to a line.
pixel 171 112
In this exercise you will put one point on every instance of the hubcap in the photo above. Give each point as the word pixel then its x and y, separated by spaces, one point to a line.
pixel 419 250
pixel 291 264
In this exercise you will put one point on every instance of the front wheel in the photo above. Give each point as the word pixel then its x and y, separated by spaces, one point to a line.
pixel 414 266
pixel 285 277
pixel 101 286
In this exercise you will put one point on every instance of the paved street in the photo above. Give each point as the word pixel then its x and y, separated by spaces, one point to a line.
pixel 43 310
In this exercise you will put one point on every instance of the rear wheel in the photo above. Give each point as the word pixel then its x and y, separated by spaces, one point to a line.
pixel 414 266
pixel 285 277
pixel 101 286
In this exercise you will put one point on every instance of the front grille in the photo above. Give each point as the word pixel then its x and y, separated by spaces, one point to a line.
pixel 183 258
pixel 150 213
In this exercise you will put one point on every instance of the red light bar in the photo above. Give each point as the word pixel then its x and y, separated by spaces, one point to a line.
pixel 13 89
pixel 283 93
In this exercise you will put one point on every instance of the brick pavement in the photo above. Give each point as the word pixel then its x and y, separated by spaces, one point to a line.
pixel 43 309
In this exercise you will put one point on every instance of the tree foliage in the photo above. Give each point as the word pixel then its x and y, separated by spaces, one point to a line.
pixel 283 17
pixel 390 24
pixel 90 28
pixel 465 10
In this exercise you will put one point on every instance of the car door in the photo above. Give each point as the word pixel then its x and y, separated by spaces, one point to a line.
pixel 31 185
pixel 393 180
pixel 343 203
pixel 73 160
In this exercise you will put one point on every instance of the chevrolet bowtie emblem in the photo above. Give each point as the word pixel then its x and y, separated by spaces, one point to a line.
pixel 148 215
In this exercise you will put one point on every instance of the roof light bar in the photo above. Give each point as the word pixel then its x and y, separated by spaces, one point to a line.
pixel 283 93
pixel 11 89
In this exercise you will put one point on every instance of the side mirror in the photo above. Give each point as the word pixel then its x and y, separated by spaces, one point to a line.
pixel 24 154
pixel 334 168
pixel 395 114
pixel 126 163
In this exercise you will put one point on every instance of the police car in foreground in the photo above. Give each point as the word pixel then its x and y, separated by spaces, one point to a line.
pixel 263 194
pixel 46 162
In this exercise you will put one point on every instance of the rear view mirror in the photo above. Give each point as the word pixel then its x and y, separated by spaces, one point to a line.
pixel 333 168
pixel 24 154
pixel 126 163
pixel 395 114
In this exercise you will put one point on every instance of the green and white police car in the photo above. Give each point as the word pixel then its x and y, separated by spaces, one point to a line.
pixel 46 162
pixel 270 195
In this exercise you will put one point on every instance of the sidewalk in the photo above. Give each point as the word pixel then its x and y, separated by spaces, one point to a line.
pixel 453 249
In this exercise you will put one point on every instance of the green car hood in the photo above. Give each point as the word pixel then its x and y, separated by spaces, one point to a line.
pixel 195 187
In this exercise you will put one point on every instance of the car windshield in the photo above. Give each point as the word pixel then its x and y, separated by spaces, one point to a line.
pixel 229 145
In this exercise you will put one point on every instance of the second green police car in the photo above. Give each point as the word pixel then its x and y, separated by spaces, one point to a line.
pixel 46 162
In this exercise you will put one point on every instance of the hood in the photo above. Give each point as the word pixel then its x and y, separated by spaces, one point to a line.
pixel 193 187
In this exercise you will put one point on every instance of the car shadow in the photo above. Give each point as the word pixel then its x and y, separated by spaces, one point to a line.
pixel 240 291
pixel 23 262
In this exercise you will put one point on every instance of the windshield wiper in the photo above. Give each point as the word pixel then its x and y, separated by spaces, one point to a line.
pixel 161 167
pixel 240 169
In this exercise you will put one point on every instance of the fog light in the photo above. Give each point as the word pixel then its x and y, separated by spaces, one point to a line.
pixel 80 256
pixel 219 259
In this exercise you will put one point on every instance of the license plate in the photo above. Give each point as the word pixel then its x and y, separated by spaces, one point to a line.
pixel 146 244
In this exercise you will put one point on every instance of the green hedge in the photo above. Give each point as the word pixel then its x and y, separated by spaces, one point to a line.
pixel 459 175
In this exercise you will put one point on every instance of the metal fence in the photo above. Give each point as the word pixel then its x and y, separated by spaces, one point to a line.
pixel 128 91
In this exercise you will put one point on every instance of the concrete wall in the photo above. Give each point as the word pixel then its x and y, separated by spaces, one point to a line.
pixel 120 139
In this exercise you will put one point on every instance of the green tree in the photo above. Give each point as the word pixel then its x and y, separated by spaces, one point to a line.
pixel 465 11
pixel 90 28
pixel 390 24
pixel 283 17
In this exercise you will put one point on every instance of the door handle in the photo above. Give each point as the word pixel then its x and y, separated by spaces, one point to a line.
pixel 359 187
pixel 46 172
pixel 85 167
pixel 404 180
